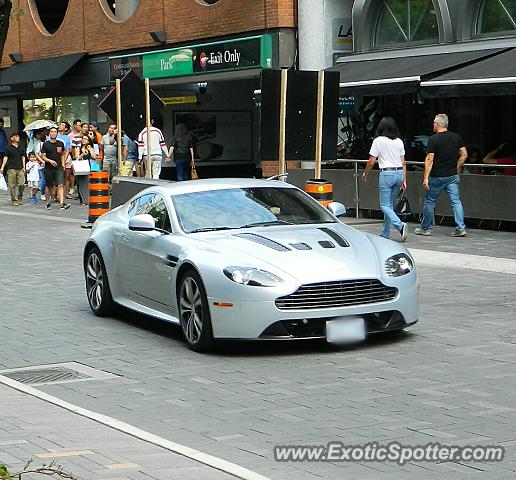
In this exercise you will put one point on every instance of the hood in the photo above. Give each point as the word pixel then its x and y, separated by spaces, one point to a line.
pixel 310 254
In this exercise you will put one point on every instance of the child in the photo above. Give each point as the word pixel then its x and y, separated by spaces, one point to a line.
pixel 33 167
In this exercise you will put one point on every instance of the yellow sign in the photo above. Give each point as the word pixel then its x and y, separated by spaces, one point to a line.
pixel 179 100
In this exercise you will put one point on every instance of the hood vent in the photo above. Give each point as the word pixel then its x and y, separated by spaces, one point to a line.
pixel 326 244
pixel 267 242
pixel 301 246
pixel 341 241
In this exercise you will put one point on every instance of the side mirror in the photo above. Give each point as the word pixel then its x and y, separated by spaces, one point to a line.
pixel 142 223
pixel 337 209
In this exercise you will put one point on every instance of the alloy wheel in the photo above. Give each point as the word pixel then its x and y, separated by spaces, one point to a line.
pixel 94 281
pixel 190 305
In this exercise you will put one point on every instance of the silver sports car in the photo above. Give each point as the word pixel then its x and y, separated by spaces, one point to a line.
pixel 247 259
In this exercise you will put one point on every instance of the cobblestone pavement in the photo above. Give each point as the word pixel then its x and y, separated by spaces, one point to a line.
pixel 450 379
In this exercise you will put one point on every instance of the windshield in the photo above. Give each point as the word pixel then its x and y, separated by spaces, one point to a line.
pixel 247 207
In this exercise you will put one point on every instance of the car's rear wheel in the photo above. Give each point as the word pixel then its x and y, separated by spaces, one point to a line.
pixel 97 284
pixel 194 312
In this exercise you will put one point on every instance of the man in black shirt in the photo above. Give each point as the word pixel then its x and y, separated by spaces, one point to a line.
pixel 14 164
pixel 54 155
pixel 445 157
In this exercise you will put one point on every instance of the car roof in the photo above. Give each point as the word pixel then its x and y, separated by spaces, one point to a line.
pixel 202 185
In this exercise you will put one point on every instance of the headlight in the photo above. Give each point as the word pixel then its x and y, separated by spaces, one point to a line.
pixel 252 276
pixel 398 265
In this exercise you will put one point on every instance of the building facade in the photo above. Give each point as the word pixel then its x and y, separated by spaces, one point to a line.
pixel 203 57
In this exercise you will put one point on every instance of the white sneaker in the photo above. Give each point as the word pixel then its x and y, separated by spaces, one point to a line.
pixel 43 197
pixel 71 191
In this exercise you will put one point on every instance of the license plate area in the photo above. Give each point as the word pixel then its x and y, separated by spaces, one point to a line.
pixel 345 330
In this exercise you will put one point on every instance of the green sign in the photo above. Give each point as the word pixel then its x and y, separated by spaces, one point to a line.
pixel 240 54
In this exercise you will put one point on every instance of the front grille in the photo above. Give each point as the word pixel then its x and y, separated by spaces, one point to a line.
pixel 337 294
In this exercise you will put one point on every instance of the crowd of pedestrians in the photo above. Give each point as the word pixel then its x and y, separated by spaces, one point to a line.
pixel 48 162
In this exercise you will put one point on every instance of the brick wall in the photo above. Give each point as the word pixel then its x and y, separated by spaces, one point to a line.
pixel 90 26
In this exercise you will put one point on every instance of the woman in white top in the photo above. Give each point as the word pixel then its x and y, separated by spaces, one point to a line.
pixel 389 150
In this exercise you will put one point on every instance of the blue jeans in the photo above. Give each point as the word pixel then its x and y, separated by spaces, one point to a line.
pixel 42 181
pixel 390 184
pixel 437 186
pixel 181 170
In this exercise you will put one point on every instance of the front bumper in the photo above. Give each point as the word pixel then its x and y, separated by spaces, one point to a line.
pixel 262 320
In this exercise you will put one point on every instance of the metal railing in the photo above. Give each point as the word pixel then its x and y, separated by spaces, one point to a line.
pixel 356 175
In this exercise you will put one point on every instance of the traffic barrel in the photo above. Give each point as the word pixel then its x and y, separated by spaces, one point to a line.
pixel 98 203
pixel 321 190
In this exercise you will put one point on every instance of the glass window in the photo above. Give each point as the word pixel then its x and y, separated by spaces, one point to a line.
pixel 56 109
pixel 246 207
pixel 38 109
pixel 122 9
pixel 50 13
pixel 497 16
pixel 153 205
pixel 69 108
pixel 143 204
pixel 406 21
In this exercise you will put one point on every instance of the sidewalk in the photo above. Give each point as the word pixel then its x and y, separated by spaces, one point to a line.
pixel 478 242
pixel 31 427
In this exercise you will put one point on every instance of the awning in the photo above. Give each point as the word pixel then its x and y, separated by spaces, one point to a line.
pixel 491 76
pixel 395 75
pixel 39 72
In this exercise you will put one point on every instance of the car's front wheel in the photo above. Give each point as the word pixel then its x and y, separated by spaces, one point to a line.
pixel 194 312
pixel 97 285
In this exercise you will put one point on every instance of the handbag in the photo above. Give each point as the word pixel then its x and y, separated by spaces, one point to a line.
pixel 193 173
pixel 3 183
pixel 81 167
pixel 402 205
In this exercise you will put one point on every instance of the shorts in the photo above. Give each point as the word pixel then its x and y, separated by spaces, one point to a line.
pixel 54 176
pixel 33 184
pixel 68 163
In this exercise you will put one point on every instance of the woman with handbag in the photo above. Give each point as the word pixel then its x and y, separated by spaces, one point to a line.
pixel 86 152
pixel 182 148
pixel 389 150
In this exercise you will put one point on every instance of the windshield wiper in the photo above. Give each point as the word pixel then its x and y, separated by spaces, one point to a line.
pixel 266 224
pixel 211 229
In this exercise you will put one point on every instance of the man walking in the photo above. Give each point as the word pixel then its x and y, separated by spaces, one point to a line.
pixel 14 164
pixel 158 146
pixel 445 157
pixel 110 149
pixel 53 154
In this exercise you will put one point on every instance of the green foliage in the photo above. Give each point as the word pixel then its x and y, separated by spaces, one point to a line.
pixel 359 132
pixel 4 473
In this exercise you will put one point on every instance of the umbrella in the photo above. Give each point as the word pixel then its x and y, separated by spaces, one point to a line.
pixel 38 124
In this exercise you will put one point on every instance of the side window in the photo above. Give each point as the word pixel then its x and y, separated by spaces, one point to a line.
pixel 157 208
pixel 144 203
pixel 135 207
pixel 131 211
pixel 160 213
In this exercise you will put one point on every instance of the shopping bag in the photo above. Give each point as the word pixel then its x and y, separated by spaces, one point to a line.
pixel 81 167
pixel 193 173
pixel 402 205
pixel 95 166
pixel 3 183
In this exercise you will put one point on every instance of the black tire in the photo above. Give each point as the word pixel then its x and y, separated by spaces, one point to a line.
pixel 97 284
pixel 194 312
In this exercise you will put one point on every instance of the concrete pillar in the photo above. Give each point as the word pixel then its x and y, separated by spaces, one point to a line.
pixel 322 26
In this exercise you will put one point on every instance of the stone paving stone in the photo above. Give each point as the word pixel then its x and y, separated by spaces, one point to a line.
pixel 450 375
